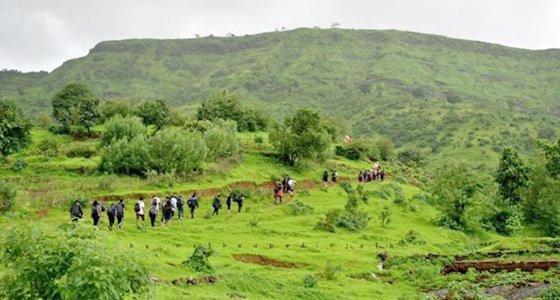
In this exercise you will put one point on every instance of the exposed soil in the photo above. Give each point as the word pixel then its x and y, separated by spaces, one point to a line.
pixel 510 292
pixel 43 212
pixel 304 184
pixel 265 261
pixel 496 266
pixel 194 281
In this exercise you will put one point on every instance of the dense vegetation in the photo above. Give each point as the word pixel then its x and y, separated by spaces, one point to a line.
pixel 429 94
pixel 465 132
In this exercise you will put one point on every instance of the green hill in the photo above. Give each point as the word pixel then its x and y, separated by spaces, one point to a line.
pixel 437 95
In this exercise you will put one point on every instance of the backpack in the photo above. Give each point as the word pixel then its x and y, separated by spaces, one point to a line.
pixel 153 210
pixel 137 207
pixel 180 202
pixel 120 209
pixel 95 211
pixel 112 211
pixel 191 203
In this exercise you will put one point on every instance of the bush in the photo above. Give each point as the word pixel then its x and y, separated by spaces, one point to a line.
pixel 119 127
pixel 359 149
pixel 69 264
pixel 221 139
pixel 199 259
pixel 298 208
pixel 50 147
pixel 506 222
pixel 7 196
pixel 126 157
pixel 172 150
pixel 331 220
pixel 259 140
pixel 310 281
pixel 44 120
pixel 331 271
pixel 81 151
pixel 19 164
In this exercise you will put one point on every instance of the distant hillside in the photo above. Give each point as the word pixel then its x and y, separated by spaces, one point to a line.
pixel 440 96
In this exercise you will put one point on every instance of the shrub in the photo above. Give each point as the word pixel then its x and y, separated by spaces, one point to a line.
pixel 199 259
pixel 221 139
pixel 7 196
pixel 298 208
pixel 81 151
pixel 259 140
pixel 119 127
pixel 331 220
pixel 69 264
pixel 50 147
pixel 172 150
pixel 125 157
pixel 310 281
pixel 44 120
pixel 331 271
pixel 19 164
pixel 385 216
pixel 161 180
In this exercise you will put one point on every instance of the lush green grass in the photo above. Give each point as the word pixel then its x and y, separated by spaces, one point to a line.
pixel 262 228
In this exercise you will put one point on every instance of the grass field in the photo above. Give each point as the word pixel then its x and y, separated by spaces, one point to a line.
pixel 287 245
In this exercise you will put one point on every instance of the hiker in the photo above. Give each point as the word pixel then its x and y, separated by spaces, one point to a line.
pixel 360 176
pixel 111 212
pixel 96 211
pixel 217 205
pixel 291 186
pixel 285 183
pixel 181 207
pixel 334 176
pixel 156 200
pixel 163 210
pixel 278 194
pixel 154 210
pixel 120 213
pixel 139 209
pixel 76 211
pixel 326 178
pixel 381 175
pixel 193 204
pixel 173 200
pixel 239 199
pixel 367 176
pixel 228 202
pixel 167 211
pixel 375 173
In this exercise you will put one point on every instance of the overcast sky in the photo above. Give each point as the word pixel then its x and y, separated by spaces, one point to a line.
pixel 42 34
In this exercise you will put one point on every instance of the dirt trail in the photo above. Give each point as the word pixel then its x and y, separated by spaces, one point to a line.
pixel 244 185
pixel 265 261
pixel 496 266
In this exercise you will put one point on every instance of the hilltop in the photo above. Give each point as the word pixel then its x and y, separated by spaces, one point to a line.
pixel 436 95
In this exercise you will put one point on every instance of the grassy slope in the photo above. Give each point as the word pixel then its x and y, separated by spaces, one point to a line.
pixel 439 95
pixel 164 248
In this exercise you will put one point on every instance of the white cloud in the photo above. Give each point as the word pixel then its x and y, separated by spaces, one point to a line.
pixel 39 34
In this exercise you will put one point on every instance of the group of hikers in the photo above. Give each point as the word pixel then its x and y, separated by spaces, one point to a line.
pixel 376 173
pixel 281 187
pixel 173 204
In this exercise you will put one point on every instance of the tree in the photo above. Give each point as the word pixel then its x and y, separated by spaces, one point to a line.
pixel 14 129
pixel 76 104
pixel 511 176
pixel 456 191
pixel 228 107
pixel 386 148
pixel 552 154
pixel 154 113
pixel 119 127
pixel 301 137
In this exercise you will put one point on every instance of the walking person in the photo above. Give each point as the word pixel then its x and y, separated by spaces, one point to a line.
pixel 291 186
pixel 278 194
pixel 326 178
pixel 120 213
pixel 96 211
pixel 239 199
pixel 139 209
pixel 154 210
pixel 334 176
pixel 173 200
pixel 285 183
pixel 228 202
pixel 193 204
pixel 217 204
pixel 181 207
pixel 76 212
pixel 111 213
pixel 167 212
